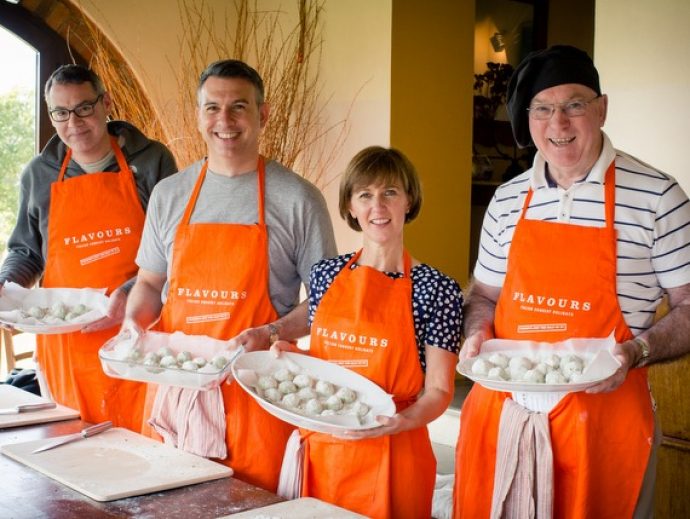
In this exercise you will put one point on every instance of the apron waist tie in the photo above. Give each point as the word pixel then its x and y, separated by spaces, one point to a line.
pixel 523 481
pixel 191 420
pixel 292 470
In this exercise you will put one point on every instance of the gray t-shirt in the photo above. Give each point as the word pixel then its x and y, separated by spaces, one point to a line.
pixel 299 226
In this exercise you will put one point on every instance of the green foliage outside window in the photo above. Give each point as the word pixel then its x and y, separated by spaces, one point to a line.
pixel 17 147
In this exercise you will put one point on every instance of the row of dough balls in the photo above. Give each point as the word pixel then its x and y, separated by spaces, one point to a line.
pixel 166 358
pixel 58 311
pixel 309 396
pixel 548 368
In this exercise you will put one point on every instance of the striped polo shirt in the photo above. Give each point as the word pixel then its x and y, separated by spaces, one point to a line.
pixel 652 220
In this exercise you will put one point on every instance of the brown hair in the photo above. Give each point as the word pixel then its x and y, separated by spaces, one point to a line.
pixel 378 165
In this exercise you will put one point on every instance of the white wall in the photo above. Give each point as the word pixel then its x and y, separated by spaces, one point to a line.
pixel 355 68
pixel 641 50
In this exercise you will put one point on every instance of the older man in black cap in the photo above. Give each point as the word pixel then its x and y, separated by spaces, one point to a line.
pixel 583 245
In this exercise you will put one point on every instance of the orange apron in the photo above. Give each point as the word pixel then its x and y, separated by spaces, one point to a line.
pixel 386 477
pixel 561 283
pixel 229 263
pixel 94 226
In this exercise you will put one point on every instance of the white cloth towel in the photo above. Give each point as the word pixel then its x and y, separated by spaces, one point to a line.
pixel 523 481
pixel 290 482
pixel 191 420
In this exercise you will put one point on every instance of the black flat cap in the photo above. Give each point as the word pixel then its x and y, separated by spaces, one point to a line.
pixel 542 69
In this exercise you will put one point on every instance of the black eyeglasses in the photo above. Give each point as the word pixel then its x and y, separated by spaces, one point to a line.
pixel 60 115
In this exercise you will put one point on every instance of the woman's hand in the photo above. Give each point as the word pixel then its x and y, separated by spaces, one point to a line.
pixel 389 425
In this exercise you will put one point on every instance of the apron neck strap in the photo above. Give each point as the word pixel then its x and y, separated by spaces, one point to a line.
pixel 407 262
pixel 261 181
pixel 119 157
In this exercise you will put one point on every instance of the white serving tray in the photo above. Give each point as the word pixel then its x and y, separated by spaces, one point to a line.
pixel 15 297
pixel 600 364
pixel 248 365
pixel 113 353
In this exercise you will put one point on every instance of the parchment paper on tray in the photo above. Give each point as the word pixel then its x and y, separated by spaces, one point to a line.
pixel 51 310
pixel 251 370
pixel 599 364
pixel 177 359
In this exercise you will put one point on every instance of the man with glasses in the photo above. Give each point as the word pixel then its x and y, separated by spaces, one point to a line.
pixel 81 212
pixel 583 245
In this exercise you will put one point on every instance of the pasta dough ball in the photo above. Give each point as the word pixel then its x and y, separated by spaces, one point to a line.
pixel 302 380
pixel 346 395
pixel 576 377
pixel 481 367
pixel 283 375
pixel 134 354
pixel 533 376
pixel 324 388
pixel 152 357
pixel 164 351
pixel 58 310
pixel 551 359
pixel 291 400
pixel 571 366
pixel 36 312
pixel 286 387
pixel 313 407
pixel 306 393
pixel 273 395
pixel 169 362
pixel 517 373
pixel 267 381
pixel 543 367
pixel 189 365
pixel 208 368
pixel 555 377
pixel 498 373
pixel 334 403
pixel 199 361
pixel 183 357
pixel 499 359
pixel 219 361
pixel 79 309
pixel 360 409
pixel 328 412
pixel 520 362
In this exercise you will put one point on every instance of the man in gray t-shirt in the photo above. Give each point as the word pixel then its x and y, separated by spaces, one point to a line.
pixel 226 245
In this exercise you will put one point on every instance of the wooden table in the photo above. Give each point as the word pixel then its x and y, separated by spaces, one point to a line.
pixel 27 494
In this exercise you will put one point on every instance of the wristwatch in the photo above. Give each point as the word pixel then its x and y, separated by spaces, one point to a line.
pixel 273 335
pixel 643 351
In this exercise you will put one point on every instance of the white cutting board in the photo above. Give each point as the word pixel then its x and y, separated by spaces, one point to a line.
pixel 11 396
pixel 117 463
pixel 302 508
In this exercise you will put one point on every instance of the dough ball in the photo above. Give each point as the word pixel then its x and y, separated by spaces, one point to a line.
pixel 219 361
pixel 208 368
pixel 199 361
pixel 313 407
pixel 36 312
pixel 570 367
pixel 286 387
pixel 334 403
pixel 360 409
pixel 169 362
pixel 328 412
pixel 267 381
pixel 291 400
pixel 543 367
pixel 152 357
pixel 481 367
pixel 551 359
pixel 306 393
pixel 183 357
pixel 302 380
pixel 498 373
pixel 520 362
pixel 324 388
pixel 273 395
pixel 164 351
pixel 499 359
pixel 189 365
pixel 533 376
pixel 346 395
pixel 58 310
pixel 576 377
pixel 555 377
pixel 79 309
pixel 283 375
pixel 517 373
pixel 134 354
